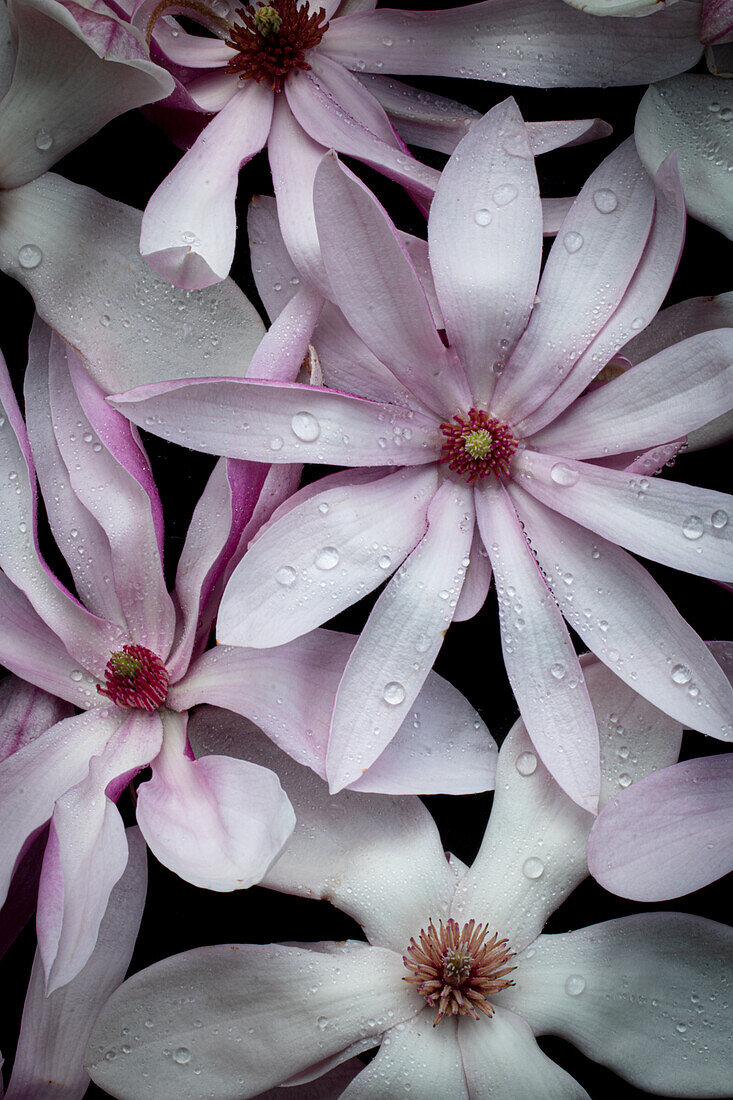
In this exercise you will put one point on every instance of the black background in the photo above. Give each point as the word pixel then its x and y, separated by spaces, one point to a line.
pixel 126 162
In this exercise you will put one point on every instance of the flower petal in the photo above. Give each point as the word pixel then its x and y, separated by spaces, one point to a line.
pixel 87 278
pixel 189 225
pixel 64 89
pixel 676 114
pixel 377 857
pixel 485 194
pixel 26 713
pixel 538 654
pixel 348 547
pixel 663 520
pixel 55 1029
pixel 401 639
pixel 218 823
pixel 625 992
pixel 276 277
pixel 250 989
pixel 626 619
pixel 669 835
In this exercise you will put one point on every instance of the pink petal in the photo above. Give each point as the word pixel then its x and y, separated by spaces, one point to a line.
pixel 539 655
pixel 489 41
pixel 65 88
pixel 580 287
pixel 20 904
pixel 276 276
pixel 189 226
pixel 487 193
pixel 717 21
pixel 219 823
pixel 285 345
pixel 668 835
pixel 381 297
pixel 626 619
pixel 25 714
pixel 662 520
pixel 314 562
pixel 55 1029
pixel 401 639
pixel 477 583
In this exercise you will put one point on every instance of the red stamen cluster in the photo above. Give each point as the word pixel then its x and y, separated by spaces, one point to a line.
pixel 135 677
pixel 271 39
pixel 456 970
pixel 477 445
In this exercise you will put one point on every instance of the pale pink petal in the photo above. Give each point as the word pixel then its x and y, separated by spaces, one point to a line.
pixel 485 234
pixel 477 583
pixel 717 21
pixel 323 555
pixel 327 1087
pixel 581 286
pixel 354 97
pixel 489 41
pixel 90 279
pixel 382 297
pixel 49 1061
pixel 357 990
pixel 26 713
pixel 625 993
pixel 20 904
pixel 377 857
pixel 415 1058
pixel 87 852
pixel 214 90
pixel 669 835
pixel 662 520
pixel 419 253
pixel 189 226
pixel 538 654
pixel 276 276
pixel 217 822
pixel 644 295
pixel 626 619
pixel 679 389
pixel 176 44
pixel 502 1061
pixel 401 639
pixel 285 345
pixel 554 213
pixel 64 90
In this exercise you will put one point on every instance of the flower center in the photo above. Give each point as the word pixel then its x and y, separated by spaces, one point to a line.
pixel 457 968
pixel 272 39
pixel 135 677
pixel 477 445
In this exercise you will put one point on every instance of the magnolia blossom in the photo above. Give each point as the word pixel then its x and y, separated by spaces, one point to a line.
pixel 672 833
pixel 239 1020
pixel 301 78
pixel 131 657
pixel 468 449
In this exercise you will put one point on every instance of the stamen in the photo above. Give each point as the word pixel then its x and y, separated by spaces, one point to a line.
pixel 477 445
pixel 458 969
pixel 271 39
pixel 135 677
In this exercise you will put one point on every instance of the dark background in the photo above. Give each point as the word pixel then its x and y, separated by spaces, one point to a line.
pixel 126 162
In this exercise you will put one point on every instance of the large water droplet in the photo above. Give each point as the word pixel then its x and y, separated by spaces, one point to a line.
pixel 181 1055
pixel 394 693
pixel 693 527
pixel 43 140
pixel 605 200
pixel 76 675
pixel 305 427
pixel 29 256
pixel 681 674
pixel 276 443
pixel 574 985
pixel 526 763
pixel 384 562
pixel 323 1022
pixel 558 670
pixel 327 558
pixel 573 241
pixel 719 519
pixel 285 576
pixel 505 194
pixel 563 475
pixel 533 867
pixel 482 217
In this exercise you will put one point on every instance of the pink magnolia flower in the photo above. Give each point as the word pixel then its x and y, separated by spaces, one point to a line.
pixel 131 657
pixel 301 78
pixel 468 450
pixel 619 990
pixel 671 834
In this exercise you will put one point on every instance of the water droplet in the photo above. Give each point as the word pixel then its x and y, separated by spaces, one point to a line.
pixel 323 1022
pixel 693 527
pixel 148 1023
pixel 276 443
pixel 533 867
pixel 624 780
pixel 43 140
pixel 76 675
pixel 305 427
pixel 719 519
pixel 327 558
pixel 558 670
pixel 386 41
pixel 726 114
pixel 605 200
pixel 187 237
pixel 285 575
pixel 574 985
pixel 394 693
pixel 505 194
pixel 29 256
pixel 482 216
pixel 563 475
pixel 573 241
pixel 105 320
pixel 681 674
pixel 181 1055
pixel 526 763
pixel 384 562
pixel 323 508
pixel 681 1028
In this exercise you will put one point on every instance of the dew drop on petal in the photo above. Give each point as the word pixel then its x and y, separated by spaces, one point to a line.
pixel 605 200
pixel 558 670
pixel 693 527
pixel 305 427
pixel 285 576
pixel 719 519
pixel 181 1055
pixel 394 693
pixel 574 985
pixel 276 443
pixel 327 558
pixel 563 475
pixel 43 140
pixel 526 763
pixel 505 194
pixel 482 217
pixel 384 562
pixel 533 868
pixel 76 675
pixel 624 780
pixel 573 241
pixel 681 674
pixel 29 256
